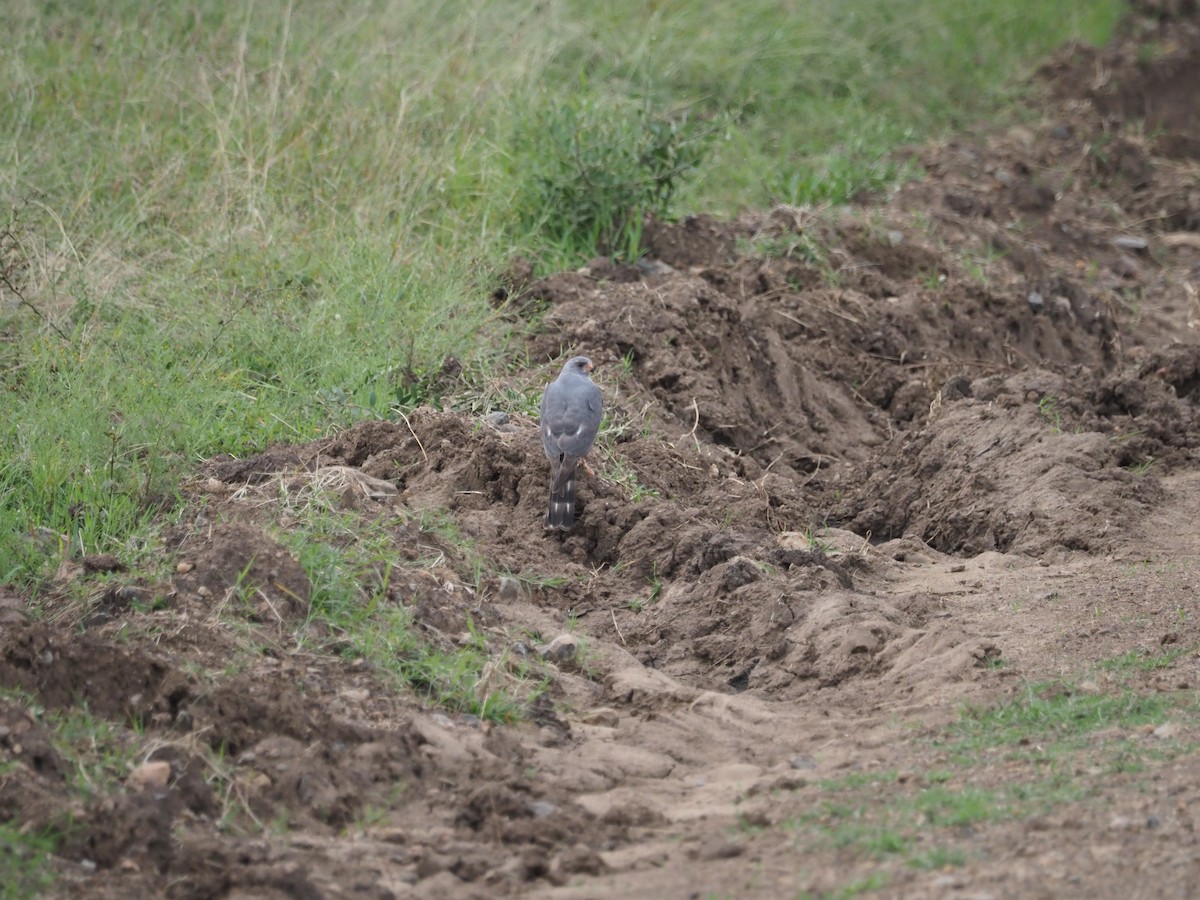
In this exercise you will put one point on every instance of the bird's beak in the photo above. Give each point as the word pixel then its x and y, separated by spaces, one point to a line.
pixel 589 368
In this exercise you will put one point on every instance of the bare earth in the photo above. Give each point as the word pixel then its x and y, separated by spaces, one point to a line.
pixel 868 473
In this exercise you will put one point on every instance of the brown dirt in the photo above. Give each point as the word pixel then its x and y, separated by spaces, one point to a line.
pixel 861 466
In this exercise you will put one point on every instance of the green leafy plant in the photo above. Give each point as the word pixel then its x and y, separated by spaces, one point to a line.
pixel 590 171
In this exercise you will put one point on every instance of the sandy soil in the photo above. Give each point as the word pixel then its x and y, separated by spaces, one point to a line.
pixel 862 468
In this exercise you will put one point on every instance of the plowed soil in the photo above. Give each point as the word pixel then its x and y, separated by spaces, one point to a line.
pixel 863 469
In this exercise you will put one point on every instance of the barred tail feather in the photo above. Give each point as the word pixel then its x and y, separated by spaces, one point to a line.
pixel 561 512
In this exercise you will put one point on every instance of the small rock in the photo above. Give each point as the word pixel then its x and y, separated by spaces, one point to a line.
pixel 720 848
pixel 1061 306
pixel 541 809
pixel 1165 731
pixel 356 695
pixel 1153 821
pixel 1126 267
pixel 1036 302
pixel 562 649
pixel 390 835
pixel 601 716
pixel 895 237
pixel 956 388
pixel 948 882
pixel 496 419
pixel 757 818
pixel 509 589
pixel 802 762
pixel 650 267
pixel 1122 823
pixel 184 567
pixel 1060 132
pixel 1126 242
pixel 150 775
pixel 203 591
pixel 102 562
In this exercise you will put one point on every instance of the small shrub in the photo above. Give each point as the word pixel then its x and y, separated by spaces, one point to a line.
pixel 588 172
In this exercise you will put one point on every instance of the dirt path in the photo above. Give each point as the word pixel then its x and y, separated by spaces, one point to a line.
pixel 886 582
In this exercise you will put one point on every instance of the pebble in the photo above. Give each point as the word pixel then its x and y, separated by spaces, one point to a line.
pixel 603 715
pixel 389 835
pixel 720 848
pixel 802 762
pixel 509 589
pixel 1036 303
pixel 1166 730
pixel 944 882
pixel 1131 243
pixel 150 775
pixel 562 649
pixel 541 809
pixel 496 419
pixel 654 267
pixel 184 567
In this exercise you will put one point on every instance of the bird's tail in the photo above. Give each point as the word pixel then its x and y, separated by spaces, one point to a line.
pixel 561 512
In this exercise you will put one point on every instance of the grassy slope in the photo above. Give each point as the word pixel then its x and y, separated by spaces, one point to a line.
pixel 232 227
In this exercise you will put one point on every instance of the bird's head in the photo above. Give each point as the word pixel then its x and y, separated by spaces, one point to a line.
pixel 580 364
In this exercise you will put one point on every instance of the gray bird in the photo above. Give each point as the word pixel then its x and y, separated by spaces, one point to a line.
pixel 571 410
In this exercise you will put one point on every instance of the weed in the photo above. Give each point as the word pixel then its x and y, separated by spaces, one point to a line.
pixel 1048 410
pixel 1144 466
pixel 591 171
pixel 873 882
pixel 937 858
pixel 1138 660
pixel 656 586
pixel 815 540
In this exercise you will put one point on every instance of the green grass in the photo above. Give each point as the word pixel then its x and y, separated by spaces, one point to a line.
pixel 24 862
pixel 1140 661
pixel 1053 718
pixel 350 564
pixel 233 225
pixel 1048 737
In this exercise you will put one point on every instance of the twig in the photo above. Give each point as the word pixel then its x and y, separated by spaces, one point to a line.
pixel 271 605
pixel 613 613
pixel 414 434
pixel 695 424
pixel 9 239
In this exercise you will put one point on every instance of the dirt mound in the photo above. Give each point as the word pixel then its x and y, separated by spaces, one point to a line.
pixel 1150 89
